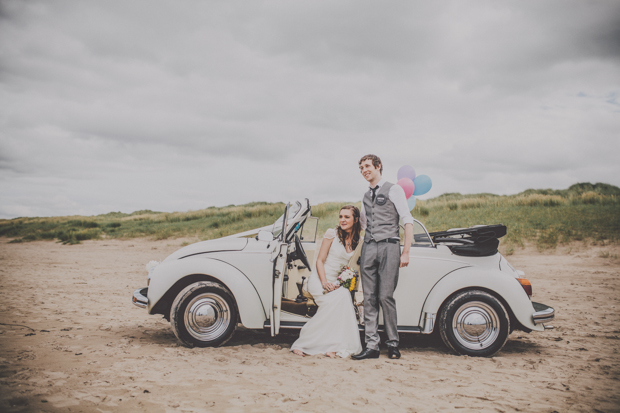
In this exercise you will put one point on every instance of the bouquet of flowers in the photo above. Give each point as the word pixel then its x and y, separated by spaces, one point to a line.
pixel 348 277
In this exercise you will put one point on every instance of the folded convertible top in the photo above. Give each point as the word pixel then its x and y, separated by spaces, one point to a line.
pixel 478 241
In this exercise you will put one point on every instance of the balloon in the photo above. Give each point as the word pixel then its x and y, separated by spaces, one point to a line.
pixel 406 172
pixel 411 203
pixel 408 185
pixel 422 184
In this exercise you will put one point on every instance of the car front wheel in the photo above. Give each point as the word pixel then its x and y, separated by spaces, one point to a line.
pixel 474 323
pixel 204 314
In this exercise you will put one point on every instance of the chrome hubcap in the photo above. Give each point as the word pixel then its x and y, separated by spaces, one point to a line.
pixel 475 325
pixel 207 317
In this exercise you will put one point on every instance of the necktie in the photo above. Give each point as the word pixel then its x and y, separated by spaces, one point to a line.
pixel 374 192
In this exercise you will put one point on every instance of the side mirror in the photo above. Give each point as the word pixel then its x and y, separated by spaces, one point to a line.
pixel 264 236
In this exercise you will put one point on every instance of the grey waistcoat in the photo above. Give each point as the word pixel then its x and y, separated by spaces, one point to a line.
pixel 381 215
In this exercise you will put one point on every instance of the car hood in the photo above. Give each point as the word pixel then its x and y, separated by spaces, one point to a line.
pixel 222 244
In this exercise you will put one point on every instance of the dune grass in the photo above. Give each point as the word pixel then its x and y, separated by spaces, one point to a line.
pixel 583 212
pixel 203 224
pixel 547 217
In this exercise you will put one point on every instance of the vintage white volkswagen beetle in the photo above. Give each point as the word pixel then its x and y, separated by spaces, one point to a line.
pixel 253 278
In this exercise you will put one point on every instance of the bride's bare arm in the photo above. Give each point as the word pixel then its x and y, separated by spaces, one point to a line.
pixel 320 264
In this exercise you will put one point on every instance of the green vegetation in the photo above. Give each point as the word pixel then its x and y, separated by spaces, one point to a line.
pixel 207 223
pixel 327 213
pixel 584 212
pixel 588 212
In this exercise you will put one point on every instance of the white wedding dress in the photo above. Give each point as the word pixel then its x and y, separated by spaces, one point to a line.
pixel 334 326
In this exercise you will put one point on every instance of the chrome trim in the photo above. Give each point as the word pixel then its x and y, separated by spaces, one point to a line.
pixel 476 325
pixel 543 313
pixel 207 317
pixel 298 325
pixel 399 329
pixel 429 323
pixel 425 230
pixel 548 327
pixel 139 297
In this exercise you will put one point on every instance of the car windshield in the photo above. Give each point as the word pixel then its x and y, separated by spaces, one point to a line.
pixel 292 211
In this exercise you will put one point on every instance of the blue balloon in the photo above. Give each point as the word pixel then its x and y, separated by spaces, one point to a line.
pixel 405 172
pixel 422 184
pixel 411 202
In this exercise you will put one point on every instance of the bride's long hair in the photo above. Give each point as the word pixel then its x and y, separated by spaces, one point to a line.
pixel 355 230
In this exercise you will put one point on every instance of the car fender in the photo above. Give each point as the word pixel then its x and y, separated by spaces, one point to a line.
pixel 166 274
pixel 501 284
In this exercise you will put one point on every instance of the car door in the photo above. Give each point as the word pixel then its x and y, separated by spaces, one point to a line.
pixel 292 220
pixel 426 267
pixel 279 273
pixel 278 257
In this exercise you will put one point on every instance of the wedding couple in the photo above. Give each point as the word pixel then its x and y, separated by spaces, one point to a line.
pixel 333 330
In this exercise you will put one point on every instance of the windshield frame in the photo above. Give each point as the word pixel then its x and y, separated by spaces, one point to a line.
pixel 280 224
pixel 431 244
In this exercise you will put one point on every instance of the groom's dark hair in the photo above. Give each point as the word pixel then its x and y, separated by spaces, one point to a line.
pixel 376 161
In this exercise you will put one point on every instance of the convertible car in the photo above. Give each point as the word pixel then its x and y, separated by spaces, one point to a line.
pixel 457 283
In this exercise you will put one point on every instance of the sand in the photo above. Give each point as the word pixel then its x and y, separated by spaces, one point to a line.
pixel 72 341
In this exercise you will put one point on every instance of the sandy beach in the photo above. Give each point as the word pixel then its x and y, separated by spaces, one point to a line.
pixel 71 340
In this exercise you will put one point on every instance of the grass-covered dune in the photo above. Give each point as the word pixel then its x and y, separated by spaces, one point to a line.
pixel 206 223
pixel 583 212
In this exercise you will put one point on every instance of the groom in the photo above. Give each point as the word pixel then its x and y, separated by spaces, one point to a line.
pixel 382 206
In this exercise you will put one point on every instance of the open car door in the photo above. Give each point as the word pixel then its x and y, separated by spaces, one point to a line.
pixel 292 220
pixel 279 272
pixel 279 267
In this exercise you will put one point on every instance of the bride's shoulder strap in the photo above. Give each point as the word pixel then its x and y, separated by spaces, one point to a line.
pixel 330 233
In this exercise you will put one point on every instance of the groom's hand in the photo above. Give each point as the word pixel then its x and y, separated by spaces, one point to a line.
pixel 404 256
pixel 404 260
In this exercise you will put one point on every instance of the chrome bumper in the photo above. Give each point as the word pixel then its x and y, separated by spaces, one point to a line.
pixel 543 314
pixel 139 297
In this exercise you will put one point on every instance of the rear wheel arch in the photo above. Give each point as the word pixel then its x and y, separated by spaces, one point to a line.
pixel 514 323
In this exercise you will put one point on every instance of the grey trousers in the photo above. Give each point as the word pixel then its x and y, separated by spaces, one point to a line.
pixel 380 264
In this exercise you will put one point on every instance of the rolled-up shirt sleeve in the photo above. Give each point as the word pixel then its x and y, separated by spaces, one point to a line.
pixel 397 196
pixel 363 216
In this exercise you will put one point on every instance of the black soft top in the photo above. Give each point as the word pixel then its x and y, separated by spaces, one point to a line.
pixel 478 241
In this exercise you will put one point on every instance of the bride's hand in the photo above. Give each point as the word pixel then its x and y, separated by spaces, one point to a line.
pixel 329 286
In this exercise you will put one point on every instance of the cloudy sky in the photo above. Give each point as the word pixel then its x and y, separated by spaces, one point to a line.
pixel 180 105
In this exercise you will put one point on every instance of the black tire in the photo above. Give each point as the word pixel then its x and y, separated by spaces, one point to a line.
pixel 474 323
pixel 204 314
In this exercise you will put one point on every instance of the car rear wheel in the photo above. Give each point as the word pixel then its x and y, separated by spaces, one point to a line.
pixel 474 323
pixel 204 314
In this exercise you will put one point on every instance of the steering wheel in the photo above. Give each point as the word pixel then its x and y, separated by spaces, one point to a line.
pixel 299 254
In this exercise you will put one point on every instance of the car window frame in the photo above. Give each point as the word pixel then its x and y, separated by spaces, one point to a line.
pixel 432 244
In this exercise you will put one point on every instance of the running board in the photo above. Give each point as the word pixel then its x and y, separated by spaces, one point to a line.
pixel 297 325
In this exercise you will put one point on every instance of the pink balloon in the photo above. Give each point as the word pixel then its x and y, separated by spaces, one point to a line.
pixel 408 185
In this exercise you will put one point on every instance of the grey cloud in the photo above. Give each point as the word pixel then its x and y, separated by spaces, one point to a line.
pixel 175 106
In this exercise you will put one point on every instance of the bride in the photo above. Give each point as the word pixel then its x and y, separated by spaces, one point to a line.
pixel 333 329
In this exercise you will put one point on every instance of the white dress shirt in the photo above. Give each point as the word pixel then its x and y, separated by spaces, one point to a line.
pixel 397 196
